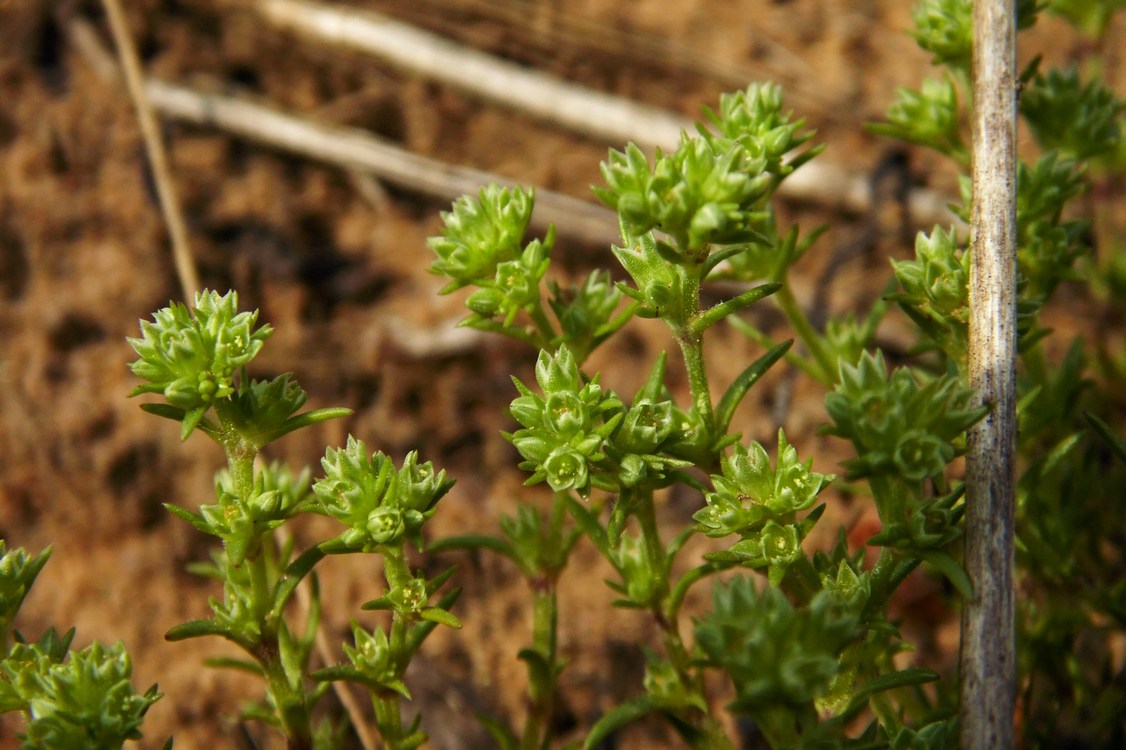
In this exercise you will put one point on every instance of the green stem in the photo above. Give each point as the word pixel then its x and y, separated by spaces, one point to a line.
pixel 542 687
pixel 543 325
pixel 388 705
pixel 691 343
pixel 691 347
pixel 812 340
pixel 665 609
pixel 290 702
pixel 388 718
pixel 285 690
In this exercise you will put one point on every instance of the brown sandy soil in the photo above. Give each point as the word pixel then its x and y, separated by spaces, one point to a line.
pixel 340 273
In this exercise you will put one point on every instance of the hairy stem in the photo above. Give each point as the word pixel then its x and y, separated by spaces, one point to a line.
pixel 812 340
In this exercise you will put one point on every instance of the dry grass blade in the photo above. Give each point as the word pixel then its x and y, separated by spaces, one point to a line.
pixel 355 149
pixel 162 173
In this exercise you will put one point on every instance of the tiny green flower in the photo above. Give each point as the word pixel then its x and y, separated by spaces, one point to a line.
pixel 481 233
pixel 749 492
pixel 191 356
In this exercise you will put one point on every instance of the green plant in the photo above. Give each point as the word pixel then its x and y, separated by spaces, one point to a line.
pixel 799 642
pixel 74 699
pixel 198 361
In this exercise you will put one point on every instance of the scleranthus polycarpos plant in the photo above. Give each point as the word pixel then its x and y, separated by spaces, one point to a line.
pixel 81 699
pixel 798 647
pixel 197 360
pixel 810 654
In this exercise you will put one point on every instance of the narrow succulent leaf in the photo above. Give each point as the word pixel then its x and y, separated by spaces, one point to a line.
pixel 308 418
pixel 504 737
pixel 540 671
pixel 1104 431
pixel 588 522
pixel 420 630
pixel 621 716
pixel 718 312
pixel 193 518
pixel 240 665
pixel 440 616
pixel 439 580
pixel 473 542
pixel 199 628
pixel 951 569
pixel 192 419
pixel 725 410
pixel 903 678
pixel 168 411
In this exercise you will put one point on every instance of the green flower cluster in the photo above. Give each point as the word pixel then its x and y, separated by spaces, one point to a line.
pixel 577 436
pixel 935 292
pixel 900 425
pixel 760 504
pixel 191 356
pixel 778 656
pixel 945 28
pixel 1047 244
pixel 929 117
pixel 84 702
pixel 18 572
pixel 241 518
pixel 480 234
pixel 1079 121
pixel 381 506
pixel 586 312
pixel 712 189
pixel 481 245
pixel 515 287
pixel 372 662
pixel 566 428
pixel 754 119
pixel 699 195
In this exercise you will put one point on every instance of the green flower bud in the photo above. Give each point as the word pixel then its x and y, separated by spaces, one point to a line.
pixel 486 301
pixel 385 525
pixel 566 469
pixel 566 414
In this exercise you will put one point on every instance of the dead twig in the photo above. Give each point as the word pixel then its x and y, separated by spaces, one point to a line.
pixel 350 148
pixel 359 150
pixel 158 159
pixel 988 658
pixel 594 114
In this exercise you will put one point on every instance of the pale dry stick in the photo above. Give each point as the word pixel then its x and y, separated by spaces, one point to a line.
pixel 154 146
pixel 359 150
pixel 988 658
pixel 350 148
pixel 555 25
pixel 568 105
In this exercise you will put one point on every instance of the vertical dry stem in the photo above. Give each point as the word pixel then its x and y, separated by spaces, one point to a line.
pixel 162 175
pixel 988 662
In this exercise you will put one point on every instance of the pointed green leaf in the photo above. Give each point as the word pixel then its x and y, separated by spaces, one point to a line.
pixel 504 737
pixel 626 713
pixel 718 312
pixel 1104 431
pixel 725 410
pixel 950 568
pixel 440 616
pixel 902 678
